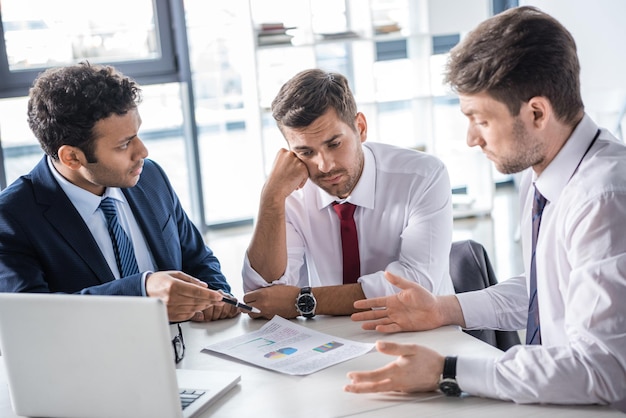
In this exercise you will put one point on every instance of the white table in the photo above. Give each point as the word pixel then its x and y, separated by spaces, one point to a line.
pixel 264 393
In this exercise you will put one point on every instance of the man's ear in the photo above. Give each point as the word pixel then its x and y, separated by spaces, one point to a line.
pixel 71 157
pixel 541 109
pixel 361 126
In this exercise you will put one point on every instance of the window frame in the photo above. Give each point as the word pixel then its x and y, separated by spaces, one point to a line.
pixel 149 71
pixel 172 67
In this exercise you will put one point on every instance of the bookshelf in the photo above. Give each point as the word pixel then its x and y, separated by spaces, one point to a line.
pixel 392 52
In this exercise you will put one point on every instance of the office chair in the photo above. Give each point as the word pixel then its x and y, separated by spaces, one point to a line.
pixel 470 269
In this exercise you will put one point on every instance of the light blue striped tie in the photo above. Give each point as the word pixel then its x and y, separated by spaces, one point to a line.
pixel 122 246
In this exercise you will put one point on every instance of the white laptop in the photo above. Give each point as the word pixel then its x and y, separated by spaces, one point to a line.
pixel 97 356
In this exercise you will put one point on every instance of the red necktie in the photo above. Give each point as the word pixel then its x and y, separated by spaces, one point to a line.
pixel 349 242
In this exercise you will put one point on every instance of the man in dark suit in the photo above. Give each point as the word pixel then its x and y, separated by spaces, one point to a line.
pixel 55 237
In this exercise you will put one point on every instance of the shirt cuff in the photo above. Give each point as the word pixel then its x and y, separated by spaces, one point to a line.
pixel 475 375
pixel 144 276
pixel 376 285
pixel 476 318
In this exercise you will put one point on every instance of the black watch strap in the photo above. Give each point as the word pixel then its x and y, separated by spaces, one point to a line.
pixel 449 368
pixel 448 383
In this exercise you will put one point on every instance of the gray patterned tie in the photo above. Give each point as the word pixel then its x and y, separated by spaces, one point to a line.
pixel 122 246
pixel 533 328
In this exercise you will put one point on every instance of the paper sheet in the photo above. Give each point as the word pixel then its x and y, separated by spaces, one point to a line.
pixel 290 348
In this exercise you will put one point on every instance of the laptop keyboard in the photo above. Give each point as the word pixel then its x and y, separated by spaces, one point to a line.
pixel 188 396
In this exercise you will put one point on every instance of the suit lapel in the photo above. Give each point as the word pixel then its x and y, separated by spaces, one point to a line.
pixel 150 224
pixel 63 216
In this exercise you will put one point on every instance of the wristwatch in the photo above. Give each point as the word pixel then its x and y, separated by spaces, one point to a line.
pixel 447 382
pixel 306 303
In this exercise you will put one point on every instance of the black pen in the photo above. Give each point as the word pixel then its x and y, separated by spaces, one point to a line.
pixel 240 305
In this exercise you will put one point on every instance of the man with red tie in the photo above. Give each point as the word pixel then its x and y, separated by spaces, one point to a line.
pixel 336 212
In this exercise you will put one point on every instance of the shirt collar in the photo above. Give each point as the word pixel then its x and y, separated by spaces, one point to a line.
pixel 362 194
pixel 85 202
pixel 556 175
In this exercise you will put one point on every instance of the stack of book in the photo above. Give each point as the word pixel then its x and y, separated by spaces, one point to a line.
pixel 384 27
pixel 273 34
pixel 339 35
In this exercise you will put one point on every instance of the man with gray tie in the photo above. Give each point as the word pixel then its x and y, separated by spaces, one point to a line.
pixel 517 76
pixel 95 216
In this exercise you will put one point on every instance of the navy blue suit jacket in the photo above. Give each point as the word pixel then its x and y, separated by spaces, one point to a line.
pixel 45 246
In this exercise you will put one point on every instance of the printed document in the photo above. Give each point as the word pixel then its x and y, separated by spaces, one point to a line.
pixel 290 348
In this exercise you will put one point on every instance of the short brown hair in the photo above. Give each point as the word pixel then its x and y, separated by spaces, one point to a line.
pixel 516 55
pixel 309 94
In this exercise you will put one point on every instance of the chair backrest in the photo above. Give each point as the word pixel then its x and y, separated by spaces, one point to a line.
pixel 470 269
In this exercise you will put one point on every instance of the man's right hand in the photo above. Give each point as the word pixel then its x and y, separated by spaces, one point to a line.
pixel 412 309
pixel 267 252
pixel 288 174
pixel 183 294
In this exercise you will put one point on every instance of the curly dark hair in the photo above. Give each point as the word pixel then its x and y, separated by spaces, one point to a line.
pixel 309 94
pixel 65 103
pixel 516 55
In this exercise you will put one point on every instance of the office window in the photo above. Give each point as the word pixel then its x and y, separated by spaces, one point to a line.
pixel 40 33
pixel 380 48
pixel 221 53
pixel 136 37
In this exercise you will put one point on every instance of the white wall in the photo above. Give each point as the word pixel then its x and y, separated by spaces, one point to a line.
pixel 599 28
pixel 456 16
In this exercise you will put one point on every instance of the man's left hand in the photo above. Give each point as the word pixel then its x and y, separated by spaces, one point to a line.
pixel 215 312
pixel 417 369
pixel 274 300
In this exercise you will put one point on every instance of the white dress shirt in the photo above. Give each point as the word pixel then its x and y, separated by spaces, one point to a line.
pixel 87 205
pixel 581 285
pixel 403 219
